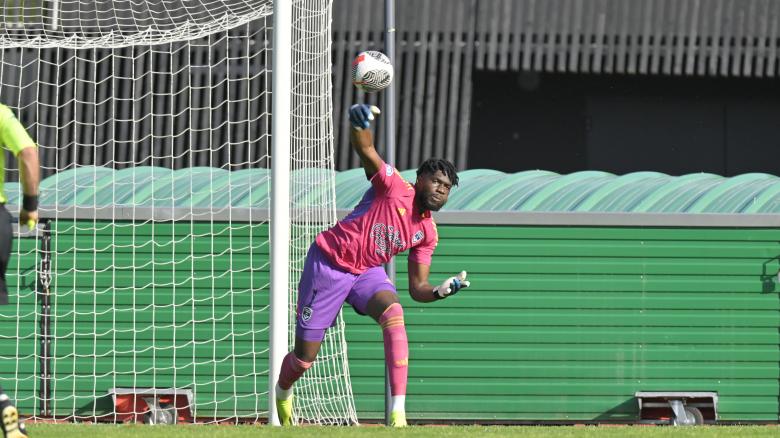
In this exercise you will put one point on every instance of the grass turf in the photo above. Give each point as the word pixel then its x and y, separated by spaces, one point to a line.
pixel 198 431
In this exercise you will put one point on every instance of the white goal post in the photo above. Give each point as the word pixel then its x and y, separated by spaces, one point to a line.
pixel 157 123
pixel 280 202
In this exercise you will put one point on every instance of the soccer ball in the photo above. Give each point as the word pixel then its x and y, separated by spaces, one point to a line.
pixel 372 71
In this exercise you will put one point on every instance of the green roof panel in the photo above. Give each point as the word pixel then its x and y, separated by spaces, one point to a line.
pixel 508 192
pixel 733 194
pixel 479 190
pixel 472 184
pixel 677 194
pixel 566 192
pixel 768 201
pixel 623 192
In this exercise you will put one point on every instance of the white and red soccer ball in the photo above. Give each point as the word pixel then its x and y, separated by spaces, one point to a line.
pixel 372 71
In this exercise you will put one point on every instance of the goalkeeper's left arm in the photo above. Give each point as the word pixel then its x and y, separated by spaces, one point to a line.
pixel 423 291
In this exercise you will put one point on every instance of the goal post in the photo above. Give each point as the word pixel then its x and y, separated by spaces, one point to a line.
pixel 280 200
pixel 157 124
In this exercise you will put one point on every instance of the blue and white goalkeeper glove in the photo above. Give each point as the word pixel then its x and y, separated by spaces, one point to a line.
pixel 451 286
pixel 361 115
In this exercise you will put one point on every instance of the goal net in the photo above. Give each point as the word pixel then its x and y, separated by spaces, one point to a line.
pixel 152 274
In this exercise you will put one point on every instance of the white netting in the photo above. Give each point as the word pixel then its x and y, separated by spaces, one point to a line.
pixel 324 394
pixel 118 23
pixel 153 122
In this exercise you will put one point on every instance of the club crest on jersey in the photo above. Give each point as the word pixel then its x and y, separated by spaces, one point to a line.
pixel 418 236
pixel 388 170
pixel 306 313
pixel 401 211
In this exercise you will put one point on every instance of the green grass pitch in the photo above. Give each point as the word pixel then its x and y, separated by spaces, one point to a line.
pixel 137 431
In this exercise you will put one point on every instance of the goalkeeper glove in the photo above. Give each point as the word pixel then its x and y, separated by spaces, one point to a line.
pixel 361 115
pixel 451 286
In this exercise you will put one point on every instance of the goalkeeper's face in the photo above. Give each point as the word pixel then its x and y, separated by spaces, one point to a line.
pixel 432 190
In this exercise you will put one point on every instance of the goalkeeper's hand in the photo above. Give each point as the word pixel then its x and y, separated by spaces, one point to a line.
pixel 451 286
pixel 361 115
pixel 29 218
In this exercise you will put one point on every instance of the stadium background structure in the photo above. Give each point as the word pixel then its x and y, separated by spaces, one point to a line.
pixel 577 309
pixel 460 58
pixel 635 301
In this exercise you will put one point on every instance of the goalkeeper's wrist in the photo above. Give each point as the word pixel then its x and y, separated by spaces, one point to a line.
pixel 30 202
pixel 436 294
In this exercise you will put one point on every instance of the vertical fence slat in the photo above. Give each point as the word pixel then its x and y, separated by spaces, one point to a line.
pixel 623 37
pixel 551 35
pixel 762 35
pixel 577 38
pixel 505 35
pixel 465 106
pixel 771 61
pixel 564 36
pixel 463 17
pixel 431 77
pixel 542 30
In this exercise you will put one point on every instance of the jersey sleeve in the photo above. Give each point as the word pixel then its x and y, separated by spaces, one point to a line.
pixel 13 136
pixel 388 182
pixel 423 253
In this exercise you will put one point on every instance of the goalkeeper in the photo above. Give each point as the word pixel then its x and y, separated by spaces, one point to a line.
pixel 14 138
pixel 345 264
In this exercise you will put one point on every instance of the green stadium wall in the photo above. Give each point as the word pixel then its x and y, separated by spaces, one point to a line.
pixel 562 322
pixel 566 323
pixel 95 345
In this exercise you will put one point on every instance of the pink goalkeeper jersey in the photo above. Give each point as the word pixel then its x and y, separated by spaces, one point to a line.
pixel 384 223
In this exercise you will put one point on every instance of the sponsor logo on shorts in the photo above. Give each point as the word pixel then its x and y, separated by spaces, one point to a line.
pixel 306 313
pixel 418 236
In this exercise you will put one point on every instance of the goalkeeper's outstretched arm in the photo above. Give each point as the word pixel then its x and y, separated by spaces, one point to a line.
pixel 423 291
pixel 360 116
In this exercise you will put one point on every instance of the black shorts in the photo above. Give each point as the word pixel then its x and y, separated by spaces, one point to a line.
pixel 6 239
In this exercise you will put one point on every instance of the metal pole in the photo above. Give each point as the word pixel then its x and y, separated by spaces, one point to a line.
pixel 44 296
pixel 389 109
pixel 389 134
pixel 280 196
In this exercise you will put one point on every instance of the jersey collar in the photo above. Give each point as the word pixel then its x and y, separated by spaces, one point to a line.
pixel 424 214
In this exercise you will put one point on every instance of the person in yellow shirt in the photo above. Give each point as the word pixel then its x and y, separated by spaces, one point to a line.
pixel 14 138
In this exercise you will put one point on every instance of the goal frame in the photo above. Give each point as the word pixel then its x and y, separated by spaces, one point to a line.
pixel 280 199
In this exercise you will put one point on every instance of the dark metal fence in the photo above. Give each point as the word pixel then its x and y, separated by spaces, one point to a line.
pixel 439 44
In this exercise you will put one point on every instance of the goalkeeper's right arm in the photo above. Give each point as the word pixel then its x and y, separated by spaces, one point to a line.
pixel 360 116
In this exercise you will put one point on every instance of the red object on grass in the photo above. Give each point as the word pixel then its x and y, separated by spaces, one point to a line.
pixel 130 406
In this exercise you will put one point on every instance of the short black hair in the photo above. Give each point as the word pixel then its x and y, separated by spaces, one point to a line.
pixel 432 165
